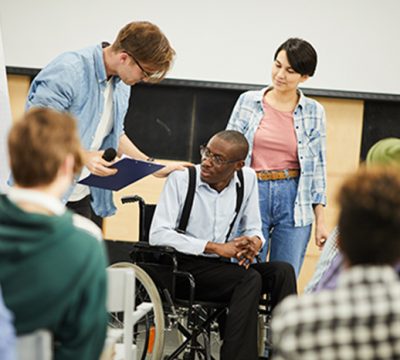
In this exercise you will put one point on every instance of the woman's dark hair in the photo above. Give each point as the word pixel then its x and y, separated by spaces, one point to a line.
pixel 301 55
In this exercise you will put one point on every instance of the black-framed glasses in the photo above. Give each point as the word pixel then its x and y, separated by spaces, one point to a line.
pixel 216 159
pixel 144 72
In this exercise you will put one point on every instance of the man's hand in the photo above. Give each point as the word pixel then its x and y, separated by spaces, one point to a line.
pixel 249 248
pixel 227 250
pixel 97 165
pixel 170 167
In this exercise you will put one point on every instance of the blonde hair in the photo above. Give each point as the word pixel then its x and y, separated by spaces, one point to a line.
pixel 39 143
pixel 147 44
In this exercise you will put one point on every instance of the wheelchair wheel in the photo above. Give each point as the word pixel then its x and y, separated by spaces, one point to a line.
pixel 148 332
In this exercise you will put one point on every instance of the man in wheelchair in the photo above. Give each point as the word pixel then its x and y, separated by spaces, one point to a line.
pixel 221 222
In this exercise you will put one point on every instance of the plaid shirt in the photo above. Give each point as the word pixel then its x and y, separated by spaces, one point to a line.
pixel 358 320
pixel 309 124
pixel 329 253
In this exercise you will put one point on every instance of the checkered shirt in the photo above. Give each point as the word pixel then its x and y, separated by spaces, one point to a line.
pixel 358 320
pixel 329 253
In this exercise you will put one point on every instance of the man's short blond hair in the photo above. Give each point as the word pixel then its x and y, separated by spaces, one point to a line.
pixel 148 45
pixel 39 143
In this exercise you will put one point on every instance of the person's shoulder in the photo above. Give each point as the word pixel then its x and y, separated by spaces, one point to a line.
pixel 251 95
pixel 249 174
pixel 86 227
pixel 76 61
pixel 181 175
pixel 248 171
pixel 312 104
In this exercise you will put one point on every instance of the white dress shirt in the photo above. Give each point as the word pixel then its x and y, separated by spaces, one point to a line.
pixel 211 215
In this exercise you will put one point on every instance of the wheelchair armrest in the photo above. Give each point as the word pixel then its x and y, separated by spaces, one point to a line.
pixel 143 247
pixel 146 247
pixel 132 199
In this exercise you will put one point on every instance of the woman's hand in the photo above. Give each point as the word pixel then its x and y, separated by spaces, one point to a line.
pixel 321 235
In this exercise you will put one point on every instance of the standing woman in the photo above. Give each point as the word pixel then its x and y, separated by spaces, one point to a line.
pixel 286 135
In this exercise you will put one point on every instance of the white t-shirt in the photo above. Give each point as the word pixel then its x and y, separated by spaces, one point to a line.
pixel 103 129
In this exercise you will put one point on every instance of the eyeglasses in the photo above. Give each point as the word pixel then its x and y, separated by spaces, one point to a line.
pixel 216 159
pixel 145 73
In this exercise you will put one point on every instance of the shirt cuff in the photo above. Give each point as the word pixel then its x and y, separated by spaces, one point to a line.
pixel 319 199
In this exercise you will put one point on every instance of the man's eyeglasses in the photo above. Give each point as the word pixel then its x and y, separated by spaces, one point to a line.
pixel 144 72
pixel 216 159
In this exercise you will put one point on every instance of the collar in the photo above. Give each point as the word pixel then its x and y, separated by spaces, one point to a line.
pixel 261 93
pixel 367 274
pixel 234 180
pixel 99 66
pixel 49 202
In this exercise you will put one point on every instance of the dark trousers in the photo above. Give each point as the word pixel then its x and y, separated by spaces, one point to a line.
pixel 222 281
pixel 83 207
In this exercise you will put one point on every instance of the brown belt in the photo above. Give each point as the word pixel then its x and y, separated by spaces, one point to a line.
pixel 278 174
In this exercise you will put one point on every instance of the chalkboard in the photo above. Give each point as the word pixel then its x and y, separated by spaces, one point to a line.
pixel 381 120
pixel 171 122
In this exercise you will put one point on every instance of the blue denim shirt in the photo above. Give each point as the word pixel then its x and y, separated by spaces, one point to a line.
pixel 309 124
pixel 75 82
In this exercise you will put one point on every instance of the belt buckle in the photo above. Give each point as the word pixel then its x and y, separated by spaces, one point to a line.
pixel 286 174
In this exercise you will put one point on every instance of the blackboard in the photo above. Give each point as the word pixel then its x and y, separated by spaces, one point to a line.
pixel 381 120
pixel 171 122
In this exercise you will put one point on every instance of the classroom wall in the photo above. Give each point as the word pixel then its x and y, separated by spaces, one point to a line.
pixel 357 41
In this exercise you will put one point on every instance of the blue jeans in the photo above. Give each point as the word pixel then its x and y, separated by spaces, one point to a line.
pixel 284 241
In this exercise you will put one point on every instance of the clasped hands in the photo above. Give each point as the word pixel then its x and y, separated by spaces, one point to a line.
pixel 243 248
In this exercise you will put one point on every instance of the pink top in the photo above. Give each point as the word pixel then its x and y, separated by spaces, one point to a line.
pixel 275 141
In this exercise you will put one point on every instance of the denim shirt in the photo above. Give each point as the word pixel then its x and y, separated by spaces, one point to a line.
pixel 75 82
pixel 309 124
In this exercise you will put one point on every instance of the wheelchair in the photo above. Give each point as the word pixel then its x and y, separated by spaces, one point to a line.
pixel 196 324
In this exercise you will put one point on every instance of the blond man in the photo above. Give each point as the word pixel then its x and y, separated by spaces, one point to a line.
pixel 94 85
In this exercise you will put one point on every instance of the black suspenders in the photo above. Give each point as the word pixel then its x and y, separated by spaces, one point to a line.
pixel 187 207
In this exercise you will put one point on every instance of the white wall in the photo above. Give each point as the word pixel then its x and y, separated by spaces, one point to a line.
pixel 223 40
pixel 5 120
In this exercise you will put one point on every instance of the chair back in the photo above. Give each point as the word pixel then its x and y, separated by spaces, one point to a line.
pixel 120 298
pixel 35 346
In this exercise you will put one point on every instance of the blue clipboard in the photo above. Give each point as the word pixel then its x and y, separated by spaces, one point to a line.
pixel 129 171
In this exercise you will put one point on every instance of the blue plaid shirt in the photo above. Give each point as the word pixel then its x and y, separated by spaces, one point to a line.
pixel 75 82
pixel 309 124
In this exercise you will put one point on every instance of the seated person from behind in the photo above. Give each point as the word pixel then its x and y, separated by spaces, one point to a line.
pixel 204 251
pixel 52 264
pixel 385 152
pixel 360 319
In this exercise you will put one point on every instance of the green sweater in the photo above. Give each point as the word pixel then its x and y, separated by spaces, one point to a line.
pixel 53 277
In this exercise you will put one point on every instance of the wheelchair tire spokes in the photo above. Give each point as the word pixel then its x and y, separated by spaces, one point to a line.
pixel 148 332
